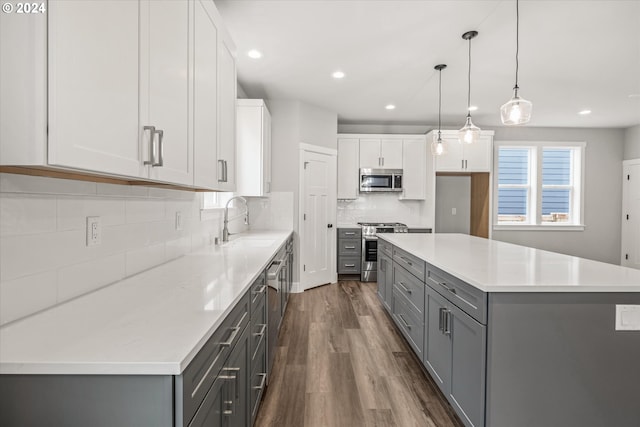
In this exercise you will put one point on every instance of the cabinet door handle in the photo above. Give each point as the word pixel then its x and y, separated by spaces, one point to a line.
pixel 404 288
pixel 350 265
pixel 466 165
pixel 408 326
pixel 382 161
pixel 226 177
pixel 261 290
pixel 441 319
pixel 262 330
pixel 221 170
pixel 160 161
pixel 350 233
pixel 349 247
pixel 405 259
pixel 447 322
pixel 462 164
pixel 152 134
pixel 264 379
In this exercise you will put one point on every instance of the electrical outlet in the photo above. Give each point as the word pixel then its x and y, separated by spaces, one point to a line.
pixel 94 231
pixel 453 211
pixel 178 221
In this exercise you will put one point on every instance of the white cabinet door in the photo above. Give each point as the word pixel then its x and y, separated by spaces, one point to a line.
pixel 93 86
pixel 370 154
pixel 391 153
pixel 165 88
pixel 452 160
pixel 478 156
pixel 226 116
pixel 205 130
pixel 415 159
pixel 253 148
pixel 348 174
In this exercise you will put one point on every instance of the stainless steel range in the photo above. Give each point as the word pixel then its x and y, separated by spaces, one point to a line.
pixel 370 230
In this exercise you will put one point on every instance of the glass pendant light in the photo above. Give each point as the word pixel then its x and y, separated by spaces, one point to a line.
pixel 469 133
pixel 516 111
pixel 438 147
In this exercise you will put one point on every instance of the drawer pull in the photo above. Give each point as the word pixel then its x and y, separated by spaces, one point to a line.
pixel 404 288
pixel 405 259
pixel 349 247
pixel 206 374
pixel 261 333
pixel 264 379
pixel 234 334
pixel 350 233
pixel 350 265
pixel 444 285
pixel 406 325
pixel 261 290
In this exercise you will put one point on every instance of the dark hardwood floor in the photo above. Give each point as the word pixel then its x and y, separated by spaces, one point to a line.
pixel 341 362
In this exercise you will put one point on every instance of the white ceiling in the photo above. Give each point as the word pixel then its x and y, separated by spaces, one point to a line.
pixel 574 55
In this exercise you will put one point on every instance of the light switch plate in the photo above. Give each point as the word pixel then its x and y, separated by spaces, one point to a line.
pixel 627 317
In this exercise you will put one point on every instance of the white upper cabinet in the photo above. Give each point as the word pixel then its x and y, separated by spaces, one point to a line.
pixel 417 169
pixel 348 174
pixel 461 157
pixel 121 88
pixel 227 85
pixel 164 90
pixel 205 86
pixel 377 153
pixel 253 147
pixel 93 88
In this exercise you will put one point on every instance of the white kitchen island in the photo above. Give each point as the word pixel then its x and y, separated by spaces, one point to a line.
pixel 516 336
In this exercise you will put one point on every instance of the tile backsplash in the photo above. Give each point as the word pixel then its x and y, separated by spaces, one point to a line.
pixel 385 207
pixel 44 259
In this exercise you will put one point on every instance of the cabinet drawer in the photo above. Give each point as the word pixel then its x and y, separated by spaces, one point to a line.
pixel 258 328
pixel 410 323
pixel 409 286
pixel 385 248
pixel 413 264
pixel 349 247
pixel 468 298
pixel 258 379
pixel 349 265
pixel 349 233
pixel 194 383
pixel 258 292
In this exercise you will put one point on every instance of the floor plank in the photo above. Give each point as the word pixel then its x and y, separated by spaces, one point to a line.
pixel 341 362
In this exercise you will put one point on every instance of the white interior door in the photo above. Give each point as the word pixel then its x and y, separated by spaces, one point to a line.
pixel 631 214
pixel 318 218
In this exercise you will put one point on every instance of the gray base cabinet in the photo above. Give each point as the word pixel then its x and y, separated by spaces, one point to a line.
pixel 349 250
pixel 385 281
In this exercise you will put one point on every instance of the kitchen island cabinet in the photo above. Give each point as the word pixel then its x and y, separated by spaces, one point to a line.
pixel 148 350
pixel 516 336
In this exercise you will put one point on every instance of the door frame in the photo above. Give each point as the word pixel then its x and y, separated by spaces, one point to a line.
pixel 304 148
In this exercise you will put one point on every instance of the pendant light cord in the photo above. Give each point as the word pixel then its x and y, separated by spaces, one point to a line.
pixel 469 81
pixel 439 100
pixel 517 39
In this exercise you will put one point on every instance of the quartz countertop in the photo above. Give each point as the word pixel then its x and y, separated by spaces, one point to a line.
pixel 494 266
pixel 152 323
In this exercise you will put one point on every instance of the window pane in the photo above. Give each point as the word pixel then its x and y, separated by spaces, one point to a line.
pixel 555 205
pixel 512 204
pixel 556 167
pixel 513 166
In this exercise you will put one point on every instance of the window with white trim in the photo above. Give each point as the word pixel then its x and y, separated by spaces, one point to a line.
pixel 538 185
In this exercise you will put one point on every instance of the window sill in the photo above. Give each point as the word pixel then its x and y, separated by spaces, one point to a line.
pixel 543 227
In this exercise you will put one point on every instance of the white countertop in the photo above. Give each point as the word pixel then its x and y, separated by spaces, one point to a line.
pixel 153 323
pixel 494 266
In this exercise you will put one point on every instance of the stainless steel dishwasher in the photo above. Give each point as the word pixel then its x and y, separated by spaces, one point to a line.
pixel 275 281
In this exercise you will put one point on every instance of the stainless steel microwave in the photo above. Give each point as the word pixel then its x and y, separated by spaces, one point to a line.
pixel 380 180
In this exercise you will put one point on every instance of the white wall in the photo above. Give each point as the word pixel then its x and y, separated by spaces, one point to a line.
pixel 602 200
pixel 632 143
pixel 44 260
pixel 292 123
pixel 382 207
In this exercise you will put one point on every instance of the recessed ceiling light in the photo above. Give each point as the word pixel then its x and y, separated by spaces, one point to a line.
pixel 390 107
pixel 254 54
pixel 634 95
pixel 584 112
pixel 473 108
pixel 337 74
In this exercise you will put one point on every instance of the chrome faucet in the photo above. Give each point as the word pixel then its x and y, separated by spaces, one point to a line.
pixel 225 230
